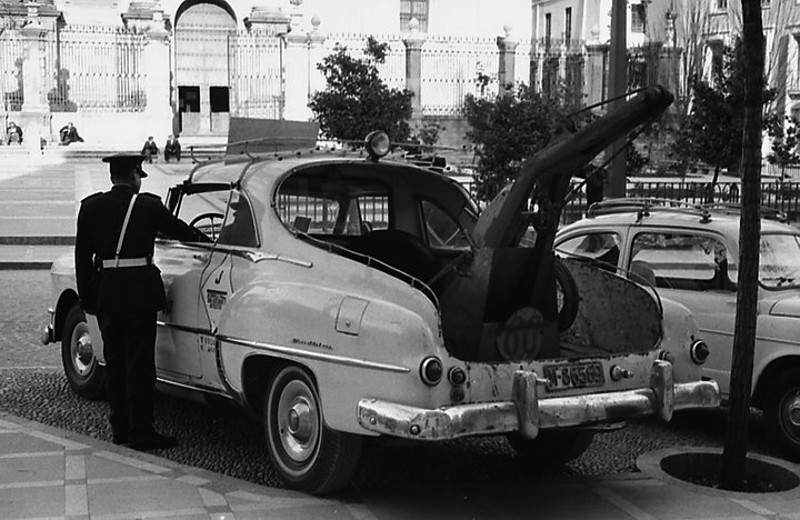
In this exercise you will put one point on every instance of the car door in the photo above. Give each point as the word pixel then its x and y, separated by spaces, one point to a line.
pixel 182 332
pixel 694 268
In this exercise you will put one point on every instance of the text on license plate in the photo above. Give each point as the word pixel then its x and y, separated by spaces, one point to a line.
pixel 574 375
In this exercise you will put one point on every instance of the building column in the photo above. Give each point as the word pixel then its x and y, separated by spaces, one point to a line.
pixel 506 71
pixel 316 42
pixel 596 73
pixel 156 65
pixel 414 42
pixel 296 78
pixel 34 116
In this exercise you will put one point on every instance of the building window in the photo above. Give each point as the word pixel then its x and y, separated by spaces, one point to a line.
pixel 567 24
pixel 722 4
pixel 638 18
pixel 548 28
pixel 414 9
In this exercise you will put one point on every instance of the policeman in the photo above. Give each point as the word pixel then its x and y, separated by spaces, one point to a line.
pixel 118 282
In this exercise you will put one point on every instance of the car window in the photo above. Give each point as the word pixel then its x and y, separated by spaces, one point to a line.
pixel 684 260
pixel 779 261
pixel 238 228
pixel 602 246
pixel 343 207
pixel 374 212
pixel 442 230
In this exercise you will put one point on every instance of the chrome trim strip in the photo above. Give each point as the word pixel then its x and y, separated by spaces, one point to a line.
pixel 184 328
pixel 318 356
pixel 201 389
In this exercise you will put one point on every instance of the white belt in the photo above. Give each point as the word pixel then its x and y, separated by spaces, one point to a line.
pixel 127 262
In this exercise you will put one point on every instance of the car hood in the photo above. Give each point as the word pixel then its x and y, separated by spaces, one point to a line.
pixel 788 306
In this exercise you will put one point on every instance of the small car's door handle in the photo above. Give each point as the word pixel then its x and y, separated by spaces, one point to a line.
pixel 200 256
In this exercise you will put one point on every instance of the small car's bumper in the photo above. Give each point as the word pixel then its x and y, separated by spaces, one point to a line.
pixel 527 411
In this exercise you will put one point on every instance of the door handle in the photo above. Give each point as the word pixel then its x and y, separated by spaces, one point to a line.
pixel 200 256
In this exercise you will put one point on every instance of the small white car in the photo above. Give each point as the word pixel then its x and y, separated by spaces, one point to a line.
pixel 336 301
pixel 690 255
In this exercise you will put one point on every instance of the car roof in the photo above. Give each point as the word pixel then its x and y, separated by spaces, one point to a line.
pixel 632 212
pixel 264 171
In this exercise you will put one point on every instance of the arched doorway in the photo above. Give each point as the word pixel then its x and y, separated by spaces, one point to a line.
pixel 202 33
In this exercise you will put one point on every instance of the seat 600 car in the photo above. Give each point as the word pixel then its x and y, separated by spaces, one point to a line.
pixel 690 255
pixel 346 295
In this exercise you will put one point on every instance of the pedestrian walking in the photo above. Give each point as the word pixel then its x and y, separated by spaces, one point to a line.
pixel 118 282
pixel 150 149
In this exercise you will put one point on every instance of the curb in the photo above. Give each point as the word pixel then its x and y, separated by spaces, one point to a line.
pixel 25 266
pixel 37 241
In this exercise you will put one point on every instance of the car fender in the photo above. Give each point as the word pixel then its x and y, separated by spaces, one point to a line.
pixel 339 336
pixel 680 331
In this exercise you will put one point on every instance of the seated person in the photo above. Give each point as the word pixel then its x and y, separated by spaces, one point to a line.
pixel 13 133
pixel 69 134
pixel 172 149
pixel 150 149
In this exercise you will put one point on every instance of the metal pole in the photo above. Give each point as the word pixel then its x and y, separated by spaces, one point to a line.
pixel 617 85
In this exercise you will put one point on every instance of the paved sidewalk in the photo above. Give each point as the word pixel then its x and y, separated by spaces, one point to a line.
pixel 47 473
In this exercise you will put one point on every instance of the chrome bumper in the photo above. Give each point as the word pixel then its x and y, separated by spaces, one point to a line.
pixel 528 411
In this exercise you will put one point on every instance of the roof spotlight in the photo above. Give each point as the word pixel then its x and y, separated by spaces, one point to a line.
pixel 377 144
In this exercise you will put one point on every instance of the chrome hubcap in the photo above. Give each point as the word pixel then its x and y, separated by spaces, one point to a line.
pixel 82 353
pixel 793 411
pixel 298 421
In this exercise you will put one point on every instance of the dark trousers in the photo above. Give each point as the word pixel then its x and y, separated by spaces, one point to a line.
pixel 129 350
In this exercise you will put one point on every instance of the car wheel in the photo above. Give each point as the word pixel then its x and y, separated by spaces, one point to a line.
pixel 567 294
pixel 551 448
pixel 306 454
pixel 85 375
pixel 782 414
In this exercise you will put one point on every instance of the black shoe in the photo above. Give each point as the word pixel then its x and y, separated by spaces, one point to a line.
pixel 154 441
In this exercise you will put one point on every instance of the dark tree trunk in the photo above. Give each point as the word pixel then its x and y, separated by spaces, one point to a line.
pixel 734 454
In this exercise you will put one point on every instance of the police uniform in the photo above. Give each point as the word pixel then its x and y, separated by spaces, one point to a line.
pixel 118 282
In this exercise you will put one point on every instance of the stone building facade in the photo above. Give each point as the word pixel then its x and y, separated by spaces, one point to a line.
pixel 122 70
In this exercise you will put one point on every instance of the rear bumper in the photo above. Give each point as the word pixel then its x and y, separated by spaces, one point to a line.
pixel 528 412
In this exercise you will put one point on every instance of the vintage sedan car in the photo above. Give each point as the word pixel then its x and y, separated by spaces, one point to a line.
pixel 331 304
pixel 690 255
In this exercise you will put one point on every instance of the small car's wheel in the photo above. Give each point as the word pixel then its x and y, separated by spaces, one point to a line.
pixel 305 453
pixel 567 294
pixel 85 375
pixel 782 414
pixel 551 448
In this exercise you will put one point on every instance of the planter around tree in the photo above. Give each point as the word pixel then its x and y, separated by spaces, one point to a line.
pixel 698 468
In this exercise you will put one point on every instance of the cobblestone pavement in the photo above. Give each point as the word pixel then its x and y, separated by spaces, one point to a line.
pixel 23 313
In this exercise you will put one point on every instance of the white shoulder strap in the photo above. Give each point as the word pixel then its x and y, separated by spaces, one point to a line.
pixel 124 229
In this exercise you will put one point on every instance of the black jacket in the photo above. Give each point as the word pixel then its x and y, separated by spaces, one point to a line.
pixel 99 224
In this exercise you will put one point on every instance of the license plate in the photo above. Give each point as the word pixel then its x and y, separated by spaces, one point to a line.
pixel 574 375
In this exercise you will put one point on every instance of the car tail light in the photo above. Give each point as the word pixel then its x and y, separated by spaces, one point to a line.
pixel 457 376
pixel 699 351
pixel 431 371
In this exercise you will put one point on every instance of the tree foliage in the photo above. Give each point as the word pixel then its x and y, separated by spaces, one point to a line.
pixel 712 131
pixel 356 101
pixel 507 130
pixel 785 134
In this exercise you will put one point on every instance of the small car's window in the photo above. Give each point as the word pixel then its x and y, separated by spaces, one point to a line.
pixel 602 246
pixel 442 230
pixel 684 260
pixel 341 207
pixel 238 228
pixel 374 212
pixel 779 261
